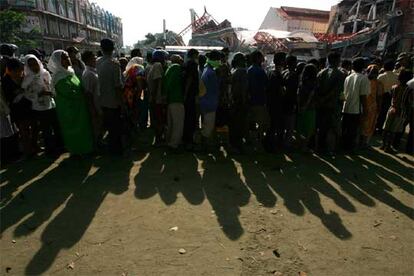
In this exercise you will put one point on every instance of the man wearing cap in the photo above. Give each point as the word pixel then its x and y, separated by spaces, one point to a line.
pixel 77 64
pixel 110 87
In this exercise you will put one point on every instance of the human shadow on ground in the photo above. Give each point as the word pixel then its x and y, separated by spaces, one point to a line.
pixel 168 175
pixel 300 190
pixel 15 175
pixel 85 187
pixel 40 199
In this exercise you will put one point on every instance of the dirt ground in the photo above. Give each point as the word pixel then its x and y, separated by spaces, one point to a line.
pixel 259 214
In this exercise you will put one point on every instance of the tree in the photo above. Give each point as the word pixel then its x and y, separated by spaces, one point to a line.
pixel 10 25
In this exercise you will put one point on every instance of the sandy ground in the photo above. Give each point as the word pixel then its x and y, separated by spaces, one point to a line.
pixel 260 214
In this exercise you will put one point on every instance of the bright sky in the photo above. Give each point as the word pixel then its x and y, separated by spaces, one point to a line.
pixel 141 17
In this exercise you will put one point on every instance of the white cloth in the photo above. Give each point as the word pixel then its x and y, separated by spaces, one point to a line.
pixel 411 84
pixel 90 83
pixel 388 80
pixel 132 62
pixel 36 83
pixel 175 124
pixel 356 85
pixel 58 71
pixel 208 124
pixel 155 74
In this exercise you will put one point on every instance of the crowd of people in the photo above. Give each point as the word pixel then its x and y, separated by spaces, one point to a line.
pixel 82 103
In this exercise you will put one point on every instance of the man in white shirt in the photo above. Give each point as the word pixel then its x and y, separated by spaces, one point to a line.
pixel 388 79
pixel 90 82
pixel 356 89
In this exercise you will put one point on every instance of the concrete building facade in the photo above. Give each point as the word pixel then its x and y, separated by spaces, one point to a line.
pixel 64 23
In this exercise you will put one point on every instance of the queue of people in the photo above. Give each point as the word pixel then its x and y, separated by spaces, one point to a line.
pixel 81 103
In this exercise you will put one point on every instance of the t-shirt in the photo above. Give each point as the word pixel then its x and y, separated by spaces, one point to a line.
pixel 173 84
pixel 257 85
pixel 275 91
pixel 290 82
pixel 110 82
pixel 388 80
pixel 155 74
pixel 239 87
pixel 209 101
pixel 191 79
pixel 330 87
pixel 90 83
pixel 355 86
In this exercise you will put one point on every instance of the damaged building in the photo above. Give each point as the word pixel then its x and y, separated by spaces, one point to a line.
pixel 371 27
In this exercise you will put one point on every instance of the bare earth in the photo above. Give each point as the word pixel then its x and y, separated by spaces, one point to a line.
pixel 260 214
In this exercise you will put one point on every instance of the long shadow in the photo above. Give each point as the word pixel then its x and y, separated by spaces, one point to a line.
pixel 41 198
pixel 168 175
pixel 255 180
pixel 16 175
pixel 68 227
pixel 225 191
pixel 300 189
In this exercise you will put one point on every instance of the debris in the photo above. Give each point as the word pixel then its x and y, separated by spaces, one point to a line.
pixel 276 253
pixel 182 251
pixel 213 212
pixel 240 259
pixel 77 254
pixel 174 229
pixel 13 241
pixel 8 269
pixel 393 237
pixel 277 273
pixel 274 212
pixel 71 265
pixel 124 274
pixel 302 273
pixel 377 223
pixel 261 253
pixel 227 259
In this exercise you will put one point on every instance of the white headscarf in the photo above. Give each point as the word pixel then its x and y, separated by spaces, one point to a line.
pixel 134 61
pixel 55 66
pixel 29 75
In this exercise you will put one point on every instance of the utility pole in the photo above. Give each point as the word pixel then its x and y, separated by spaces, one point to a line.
pixel 164 31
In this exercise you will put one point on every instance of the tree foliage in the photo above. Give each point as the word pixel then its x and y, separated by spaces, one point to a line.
pixel 10 25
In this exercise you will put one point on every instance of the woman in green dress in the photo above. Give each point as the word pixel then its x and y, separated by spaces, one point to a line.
pixel 70 105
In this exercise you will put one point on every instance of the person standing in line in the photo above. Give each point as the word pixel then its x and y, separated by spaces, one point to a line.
pixel 191 85
pixel 239 103
pixel 388 79
pixel 356 90
pixel 75 58
pixel 157 100
pixel 90 83
pixel 21 112
pixel 289 99
pixel 410 138
pixel 110 96
pixel 71 106
pixel 224 76
pixel 174 91
pixel 209 96
pixel 275 92
pixel 401 105
pixel 328 105
pixel 257 95
pixel 306 122
pixel 368 122
pixel 37 86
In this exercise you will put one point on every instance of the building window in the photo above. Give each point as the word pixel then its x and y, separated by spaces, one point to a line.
pixel 62 8
pixel 51 5
pixel 82 15
pixel 40 5
pixel 71 10
pixel 53 27
pixel 64 32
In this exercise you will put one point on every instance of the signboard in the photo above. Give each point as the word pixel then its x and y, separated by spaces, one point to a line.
pixel 31 23
pixel 382 41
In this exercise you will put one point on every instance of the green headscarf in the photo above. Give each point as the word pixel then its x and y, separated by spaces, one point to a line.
pixel 213 63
